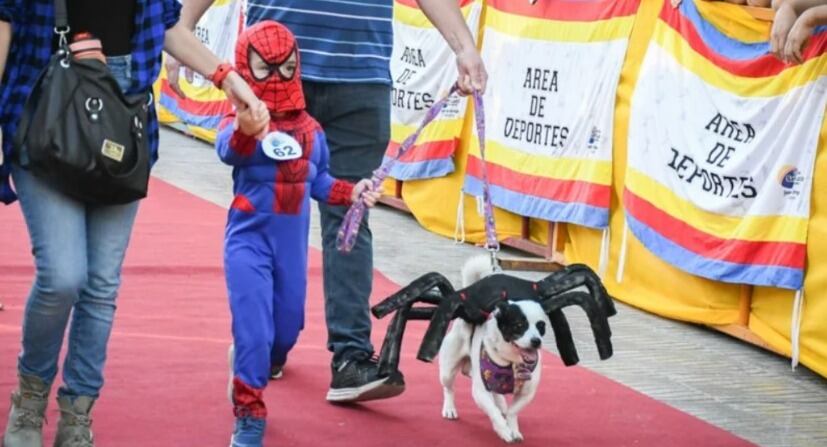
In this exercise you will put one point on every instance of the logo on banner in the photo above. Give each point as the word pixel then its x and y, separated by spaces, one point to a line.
pixel 790 178
pixel 594 138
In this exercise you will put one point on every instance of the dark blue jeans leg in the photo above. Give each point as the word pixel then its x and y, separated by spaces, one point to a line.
pixel 356 121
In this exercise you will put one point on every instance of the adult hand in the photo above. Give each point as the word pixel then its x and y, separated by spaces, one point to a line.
pixel 785 18
pixel 797 40
pixel 472 74
pixel 251 123
pixel 173 68
pixel 364 189
pixel 243 98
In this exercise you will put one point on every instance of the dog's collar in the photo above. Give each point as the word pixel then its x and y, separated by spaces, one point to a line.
pixel 503 379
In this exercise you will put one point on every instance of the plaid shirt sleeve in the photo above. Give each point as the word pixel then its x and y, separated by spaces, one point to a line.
pixel 172 12
pixel 8 9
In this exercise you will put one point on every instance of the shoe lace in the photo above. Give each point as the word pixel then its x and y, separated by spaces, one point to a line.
pixel 249 423
pixel 80 440
pixel 29 419
pixel 80 425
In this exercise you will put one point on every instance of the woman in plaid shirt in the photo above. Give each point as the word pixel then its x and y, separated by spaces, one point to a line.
pixel 78 249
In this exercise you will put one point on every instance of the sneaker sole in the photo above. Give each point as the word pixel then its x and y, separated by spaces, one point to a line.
pixel 231 361
pixel 378 389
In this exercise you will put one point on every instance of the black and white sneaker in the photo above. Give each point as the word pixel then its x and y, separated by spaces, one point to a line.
pixel 276 372
pixel 357 380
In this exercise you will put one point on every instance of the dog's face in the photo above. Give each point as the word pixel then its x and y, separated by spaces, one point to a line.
pixel 523 325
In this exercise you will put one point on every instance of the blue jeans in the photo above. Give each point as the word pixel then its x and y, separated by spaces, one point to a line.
pixel 78 252
pixel 356 121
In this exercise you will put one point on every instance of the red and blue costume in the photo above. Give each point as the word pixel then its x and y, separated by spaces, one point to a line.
pixel 265 247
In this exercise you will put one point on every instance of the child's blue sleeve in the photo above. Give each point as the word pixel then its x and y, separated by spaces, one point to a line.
pixel 233 147
pixel 325 188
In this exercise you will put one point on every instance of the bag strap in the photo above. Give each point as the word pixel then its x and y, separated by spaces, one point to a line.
pixel 61 16
pixel 62 25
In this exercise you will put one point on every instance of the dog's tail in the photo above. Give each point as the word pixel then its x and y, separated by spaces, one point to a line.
pixel 475 269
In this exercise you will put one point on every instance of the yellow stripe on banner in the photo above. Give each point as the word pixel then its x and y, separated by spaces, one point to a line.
pixel 204 93
pixel 593 171
pixel 437 131
pixel 776 85
pixel 219 3
pixel 734 21
pixel 748 228
pixel 559 30
pixel 407 15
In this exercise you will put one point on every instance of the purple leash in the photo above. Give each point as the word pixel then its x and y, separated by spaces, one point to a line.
pixel 346 238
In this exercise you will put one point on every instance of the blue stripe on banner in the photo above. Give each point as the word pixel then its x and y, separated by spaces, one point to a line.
pixel 718 41
pixel 540 208
pixel 759 275
pixel 721 43
pixel 205 121
pixel 421 170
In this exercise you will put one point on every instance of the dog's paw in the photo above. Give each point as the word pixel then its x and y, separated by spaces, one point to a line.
pixel 507 435
pixel 450 413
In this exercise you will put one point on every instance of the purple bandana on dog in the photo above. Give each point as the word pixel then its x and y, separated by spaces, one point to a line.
pixel 504 379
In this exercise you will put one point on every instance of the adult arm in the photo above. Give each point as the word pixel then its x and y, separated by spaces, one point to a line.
pixel 447 18
pixel 5 43
pixel 801 32
pixel 182 44
pixel 191 13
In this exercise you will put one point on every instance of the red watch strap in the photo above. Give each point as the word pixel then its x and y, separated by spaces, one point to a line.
pixel 221 73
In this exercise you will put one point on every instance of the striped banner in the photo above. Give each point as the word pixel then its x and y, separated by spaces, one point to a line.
pixel 554 68
pixel 204 105
pixel 722 142
pixel 423 68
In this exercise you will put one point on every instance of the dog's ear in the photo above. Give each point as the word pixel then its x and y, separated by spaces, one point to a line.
pixel 502 307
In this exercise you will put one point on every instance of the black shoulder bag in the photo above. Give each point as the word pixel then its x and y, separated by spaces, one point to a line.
pixel 80 133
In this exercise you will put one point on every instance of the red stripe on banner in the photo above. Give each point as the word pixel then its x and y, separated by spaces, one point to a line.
pixel 434 150
pixel 568 10
pixel 201 108
pixel 786 254
pixel 413 4
pixel 764 66
pixel 568 191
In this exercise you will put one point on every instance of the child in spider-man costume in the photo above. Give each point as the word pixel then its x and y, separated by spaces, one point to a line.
pixel 265 247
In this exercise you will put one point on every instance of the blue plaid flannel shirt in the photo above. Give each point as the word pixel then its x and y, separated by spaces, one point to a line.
pixel 32 39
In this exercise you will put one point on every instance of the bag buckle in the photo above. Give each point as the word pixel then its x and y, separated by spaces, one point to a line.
pixel 93 106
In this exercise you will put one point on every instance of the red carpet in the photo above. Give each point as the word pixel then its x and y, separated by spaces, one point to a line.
pixel 167 371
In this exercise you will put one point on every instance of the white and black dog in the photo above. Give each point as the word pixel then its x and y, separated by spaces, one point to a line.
pixel 501 356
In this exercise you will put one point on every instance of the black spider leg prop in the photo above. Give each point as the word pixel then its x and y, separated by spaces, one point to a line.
pixel 392 346
pixel 413 292
pixel 574 276
pixel 598 320
pixel 420 290
pixel 563 338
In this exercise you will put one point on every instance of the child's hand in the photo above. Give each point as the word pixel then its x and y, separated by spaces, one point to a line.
pixel 797 40
pixel 784 20
pixel 253 121
pixel 364 190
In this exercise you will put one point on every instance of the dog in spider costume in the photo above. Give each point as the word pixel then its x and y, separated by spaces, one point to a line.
pixel 266 240
pixel 474 303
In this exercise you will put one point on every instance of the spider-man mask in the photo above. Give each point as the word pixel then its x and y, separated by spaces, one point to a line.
pixel 267 57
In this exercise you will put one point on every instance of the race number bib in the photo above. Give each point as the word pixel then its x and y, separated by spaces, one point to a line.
pixel 280 146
